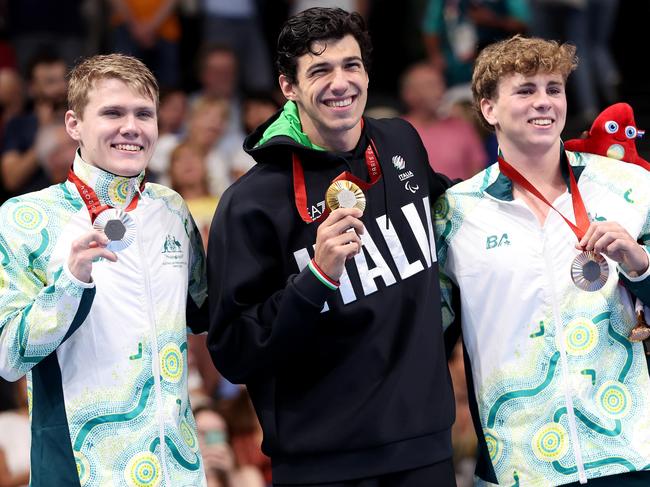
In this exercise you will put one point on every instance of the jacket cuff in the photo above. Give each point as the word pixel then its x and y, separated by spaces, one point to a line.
pixel 75 281
pixel 312 288
pixel 639 286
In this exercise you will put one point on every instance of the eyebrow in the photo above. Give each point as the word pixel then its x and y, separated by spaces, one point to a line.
pixel 122 107
pixel 325 64
pixel 530 84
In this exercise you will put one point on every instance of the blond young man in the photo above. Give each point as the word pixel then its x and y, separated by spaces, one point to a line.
pixel 560 391
pixel 97 276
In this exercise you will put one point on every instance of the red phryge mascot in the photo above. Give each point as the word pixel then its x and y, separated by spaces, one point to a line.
pixel 613 134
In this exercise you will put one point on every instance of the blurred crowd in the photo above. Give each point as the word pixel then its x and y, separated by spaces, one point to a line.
pixel 214 62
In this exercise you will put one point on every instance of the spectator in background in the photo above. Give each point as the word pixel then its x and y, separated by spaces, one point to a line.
pixel 21 171
pixel 588 25
pixel 150 31
pixel 206 130
pixel 172 114
pixel 218 75
pixel 453 146
pixel 455 30
pixel 188 176
pixel 245 432
pixel 221 467
pixel 54 151
pixel 34 25
pixel 236 25
pixel 602 16
pixel 258 108
pixel 11 97
pixel 15 439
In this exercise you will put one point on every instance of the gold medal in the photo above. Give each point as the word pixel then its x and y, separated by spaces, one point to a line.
pixel 589 271
pixel 118 226
pixel 345 194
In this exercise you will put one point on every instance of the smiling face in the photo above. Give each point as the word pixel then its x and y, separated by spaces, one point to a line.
pixel 528 112
pixel 331 90
pixel 118 128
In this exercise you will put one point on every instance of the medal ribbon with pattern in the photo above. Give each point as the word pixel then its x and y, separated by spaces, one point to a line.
pixel 91 200
pixel 374 170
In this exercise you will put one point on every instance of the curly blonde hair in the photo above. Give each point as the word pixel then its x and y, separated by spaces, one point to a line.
pixel 127 69
pixel 518 54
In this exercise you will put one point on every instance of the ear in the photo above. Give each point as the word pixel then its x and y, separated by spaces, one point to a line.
pixel 287 87
pixel 487 109
pixel 72 125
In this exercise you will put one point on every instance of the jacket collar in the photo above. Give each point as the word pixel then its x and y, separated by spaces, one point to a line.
pixel 111 190
pixel 501 188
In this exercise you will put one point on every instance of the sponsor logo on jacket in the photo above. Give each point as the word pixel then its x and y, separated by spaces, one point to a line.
pixel 172 252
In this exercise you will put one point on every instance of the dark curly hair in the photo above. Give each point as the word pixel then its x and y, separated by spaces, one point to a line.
pixel 318 24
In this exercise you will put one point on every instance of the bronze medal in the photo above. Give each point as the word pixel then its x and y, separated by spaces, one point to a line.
pixel 589 271
pixel 345 194
pixel 641 331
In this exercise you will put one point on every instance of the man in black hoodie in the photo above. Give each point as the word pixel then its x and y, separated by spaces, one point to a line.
pixel 335 332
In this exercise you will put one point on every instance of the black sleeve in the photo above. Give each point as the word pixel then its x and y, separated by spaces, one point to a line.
pixel 453 331
pixel 438 183
pixel 196 316
pixel 260 318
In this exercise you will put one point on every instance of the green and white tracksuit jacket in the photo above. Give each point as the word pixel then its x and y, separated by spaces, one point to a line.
pixel 105 361
pixel 561 393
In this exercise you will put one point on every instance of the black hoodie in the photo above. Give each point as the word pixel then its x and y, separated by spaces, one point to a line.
pixel 346 383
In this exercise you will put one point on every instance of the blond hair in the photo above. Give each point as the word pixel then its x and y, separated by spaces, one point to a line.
pixel 127 69
pixel 522 55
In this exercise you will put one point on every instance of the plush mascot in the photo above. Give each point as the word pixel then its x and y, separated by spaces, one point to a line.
pixel 613 134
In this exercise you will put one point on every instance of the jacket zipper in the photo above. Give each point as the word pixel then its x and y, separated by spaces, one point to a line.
pixel 155 359
pixel 559 333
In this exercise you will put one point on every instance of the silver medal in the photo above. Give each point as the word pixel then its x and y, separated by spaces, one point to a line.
pixel 589 271
pixel 118 227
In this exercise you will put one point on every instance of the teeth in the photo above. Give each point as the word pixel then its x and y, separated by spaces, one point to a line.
pixel 339 103
pixel 128 147
pixel 541 121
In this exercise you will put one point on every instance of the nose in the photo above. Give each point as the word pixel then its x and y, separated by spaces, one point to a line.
pixel 339 82
pixel 130 125
pixel 542 101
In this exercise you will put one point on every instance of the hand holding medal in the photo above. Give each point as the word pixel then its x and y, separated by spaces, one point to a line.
pixel 337 238
pixel 113 230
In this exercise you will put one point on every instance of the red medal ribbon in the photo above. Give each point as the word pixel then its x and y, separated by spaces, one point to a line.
pixel 582 219
pixel 91 200
pixel 374 170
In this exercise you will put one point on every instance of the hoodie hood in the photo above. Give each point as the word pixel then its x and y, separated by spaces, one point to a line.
pixel 288 124
pixel 282 134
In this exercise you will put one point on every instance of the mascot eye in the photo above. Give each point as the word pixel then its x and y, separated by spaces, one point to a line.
pixel 611 127
pixel 630 132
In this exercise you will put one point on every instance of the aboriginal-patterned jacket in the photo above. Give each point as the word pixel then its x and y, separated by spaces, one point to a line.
pixel 559 392
pixel 105 361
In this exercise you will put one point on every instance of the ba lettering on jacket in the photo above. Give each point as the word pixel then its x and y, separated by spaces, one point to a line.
pixel 375 266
